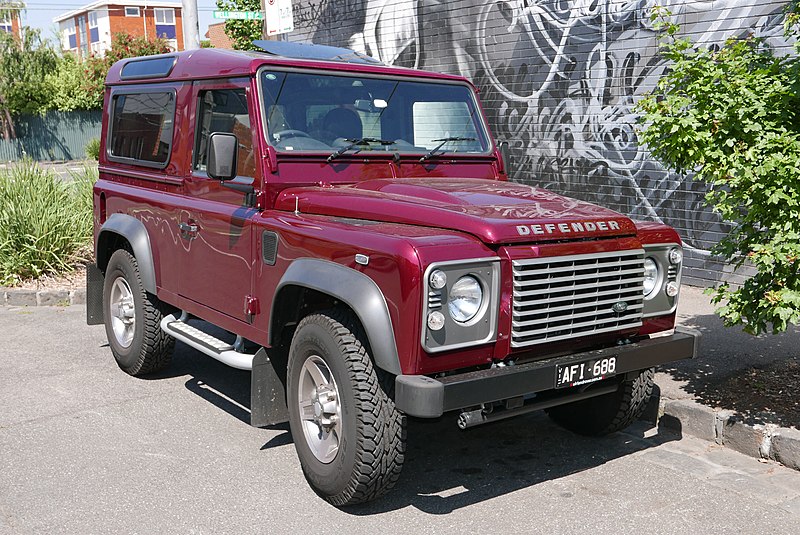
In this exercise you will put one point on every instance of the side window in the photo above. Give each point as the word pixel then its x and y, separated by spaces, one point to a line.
pixel 225 110
pixel 141 127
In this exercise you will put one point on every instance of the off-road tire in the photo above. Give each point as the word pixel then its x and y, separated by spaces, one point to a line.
pixel 610 412
pixel 150 349
pixel 372 446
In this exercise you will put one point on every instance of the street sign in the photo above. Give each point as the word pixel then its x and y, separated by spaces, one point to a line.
pixel 280 18
pixel 239 15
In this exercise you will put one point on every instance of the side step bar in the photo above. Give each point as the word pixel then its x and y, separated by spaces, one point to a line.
pixel 267 393
pixel 205 343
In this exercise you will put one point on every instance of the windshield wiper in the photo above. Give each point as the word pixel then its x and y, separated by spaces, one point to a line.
pixel 431 153
pixel 360 142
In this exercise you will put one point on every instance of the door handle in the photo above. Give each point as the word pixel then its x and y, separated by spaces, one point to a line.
pixel 188 230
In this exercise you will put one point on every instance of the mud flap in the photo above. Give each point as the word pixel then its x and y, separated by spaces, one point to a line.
pixel 267 393
pixel 94 295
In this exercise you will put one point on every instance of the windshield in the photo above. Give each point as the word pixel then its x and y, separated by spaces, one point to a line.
pixel 320 112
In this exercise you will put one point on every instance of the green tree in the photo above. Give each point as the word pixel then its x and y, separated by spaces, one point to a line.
pixel 24 64
pixel 729 116
pixel 242 32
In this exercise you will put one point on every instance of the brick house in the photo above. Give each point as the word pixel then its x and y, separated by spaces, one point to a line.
pixel 88 30
pixel 10 21
pixel 216 34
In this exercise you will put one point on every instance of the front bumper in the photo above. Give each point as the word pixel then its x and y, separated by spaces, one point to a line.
pixel 426 397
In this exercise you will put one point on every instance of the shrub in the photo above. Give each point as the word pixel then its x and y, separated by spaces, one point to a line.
pixel 730 117
pixel 93 149
pixel 71 85
pixel 45 221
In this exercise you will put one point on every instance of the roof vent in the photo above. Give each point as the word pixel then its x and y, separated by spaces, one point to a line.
pixel 285 49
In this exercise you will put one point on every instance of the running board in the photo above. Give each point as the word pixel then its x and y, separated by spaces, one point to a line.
pixel 205 343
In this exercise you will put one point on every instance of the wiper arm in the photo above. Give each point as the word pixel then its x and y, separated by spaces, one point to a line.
pixel 360 142
pixel 431 153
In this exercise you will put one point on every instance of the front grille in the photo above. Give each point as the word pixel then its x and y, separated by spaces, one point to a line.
pixel 564 297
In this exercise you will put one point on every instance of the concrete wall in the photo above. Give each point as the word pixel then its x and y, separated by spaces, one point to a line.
pixel 558 79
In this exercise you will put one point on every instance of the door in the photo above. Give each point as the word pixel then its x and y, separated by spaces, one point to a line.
pixel 216 230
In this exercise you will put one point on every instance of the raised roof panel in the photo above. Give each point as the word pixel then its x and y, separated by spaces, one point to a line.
pixel 318 52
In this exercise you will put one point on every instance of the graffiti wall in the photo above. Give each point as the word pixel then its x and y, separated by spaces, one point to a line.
pixel 559 79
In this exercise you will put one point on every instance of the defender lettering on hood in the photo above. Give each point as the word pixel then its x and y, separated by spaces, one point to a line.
pixel 567 228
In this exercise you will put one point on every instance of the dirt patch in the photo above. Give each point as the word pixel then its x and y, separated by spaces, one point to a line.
pixel 768 394
pixel 65 281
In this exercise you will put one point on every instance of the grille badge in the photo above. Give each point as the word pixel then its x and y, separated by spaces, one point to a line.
pixel 620 307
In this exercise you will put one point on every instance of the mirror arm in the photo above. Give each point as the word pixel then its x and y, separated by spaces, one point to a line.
pixel 244 188
pixel 250 197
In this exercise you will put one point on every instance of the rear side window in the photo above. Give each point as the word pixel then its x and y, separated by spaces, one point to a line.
pixel 141 128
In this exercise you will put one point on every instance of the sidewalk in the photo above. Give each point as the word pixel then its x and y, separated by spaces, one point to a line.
pixel 61 169
pixel 695 396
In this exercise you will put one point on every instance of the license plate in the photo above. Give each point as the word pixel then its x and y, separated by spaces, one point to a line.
pixel 588 371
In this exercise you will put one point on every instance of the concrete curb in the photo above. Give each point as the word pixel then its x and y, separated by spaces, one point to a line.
pixel 762 441
pixel 25 298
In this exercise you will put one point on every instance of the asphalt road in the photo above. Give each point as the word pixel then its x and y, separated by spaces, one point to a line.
pixel 85 449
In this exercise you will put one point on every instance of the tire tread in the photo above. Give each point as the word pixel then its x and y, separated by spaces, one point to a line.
pixel 157 346
pixel 380 441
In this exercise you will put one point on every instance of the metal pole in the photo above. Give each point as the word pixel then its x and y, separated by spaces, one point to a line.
pixel 191 27
pixel 264 22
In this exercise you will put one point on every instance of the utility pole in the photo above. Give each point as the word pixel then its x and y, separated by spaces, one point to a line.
pixel 264 22
pixel 191 26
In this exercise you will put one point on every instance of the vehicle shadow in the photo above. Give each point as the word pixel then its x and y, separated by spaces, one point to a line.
pixel 224 387
pixel 445 468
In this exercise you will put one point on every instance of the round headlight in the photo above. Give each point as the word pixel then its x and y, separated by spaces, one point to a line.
pixel 675 256
pixel 465 299
pixel 437 279
pixel 650 275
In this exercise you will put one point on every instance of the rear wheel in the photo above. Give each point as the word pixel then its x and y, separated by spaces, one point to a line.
pixel 610 412
pixel 349 437
pixel 133 319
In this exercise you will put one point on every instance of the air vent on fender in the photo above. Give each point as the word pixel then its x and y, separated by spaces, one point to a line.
pixel 269 247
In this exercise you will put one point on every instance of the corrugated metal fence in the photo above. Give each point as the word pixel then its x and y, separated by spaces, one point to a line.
pixel 53 136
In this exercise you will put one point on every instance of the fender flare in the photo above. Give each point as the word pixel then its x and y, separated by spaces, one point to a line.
pixel 134 231
pixel 356 290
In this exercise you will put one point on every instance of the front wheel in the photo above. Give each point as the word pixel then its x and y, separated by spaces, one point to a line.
pixel 349 436
pixel 610 412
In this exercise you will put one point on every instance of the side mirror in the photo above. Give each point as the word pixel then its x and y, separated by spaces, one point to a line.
pixel 222 152
pixel 505 154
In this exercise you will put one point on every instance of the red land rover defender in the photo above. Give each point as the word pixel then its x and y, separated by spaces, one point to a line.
pixel 351 225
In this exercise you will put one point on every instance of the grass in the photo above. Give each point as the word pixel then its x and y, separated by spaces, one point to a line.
pixel 45 221
pixel 93 149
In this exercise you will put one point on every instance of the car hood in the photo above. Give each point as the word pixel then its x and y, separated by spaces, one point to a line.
pixel 496 212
